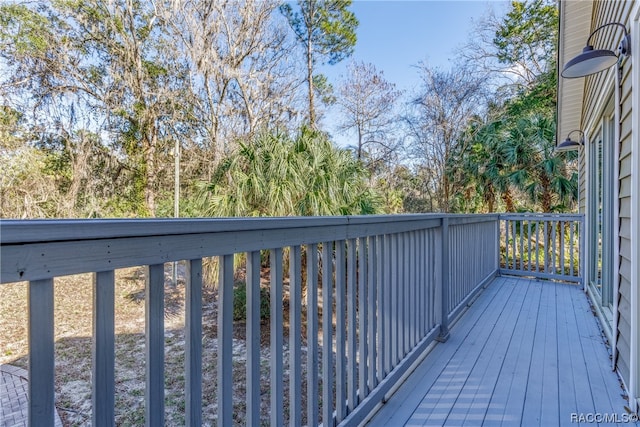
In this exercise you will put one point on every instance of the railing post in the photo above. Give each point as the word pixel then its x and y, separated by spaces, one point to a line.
pixel 583 256
pixel 41 353
pixel 154 345
pixel 193 344
pixel 103 349
pixel 498 239
pixel 444 283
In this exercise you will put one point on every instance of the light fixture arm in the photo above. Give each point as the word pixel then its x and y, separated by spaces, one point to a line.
pixel 581 142
pixel 625 44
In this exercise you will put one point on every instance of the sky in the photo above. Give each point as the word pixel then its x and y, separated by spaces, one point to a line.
pixel 395 35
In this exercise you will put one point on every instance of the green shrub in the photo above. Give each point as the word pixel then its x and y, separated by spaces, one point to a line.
pixel 240 302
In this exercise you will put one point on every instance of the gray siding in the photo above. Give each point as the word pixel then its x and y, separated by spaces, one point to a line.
pixel 605 12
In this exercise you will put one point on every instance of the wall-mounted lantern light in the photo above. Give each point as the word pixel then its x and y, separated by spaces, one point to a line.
pixel 592 61
pixel 569 144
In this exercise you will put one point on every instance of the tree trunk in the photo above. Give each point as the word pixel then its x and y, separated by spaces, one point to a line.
pixel 508 200
pixel 150 170
pixel 312 111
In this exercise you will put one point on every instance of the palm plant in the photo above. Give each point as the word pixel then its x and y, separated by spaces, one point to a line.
pixel 275 175
pixel 534 168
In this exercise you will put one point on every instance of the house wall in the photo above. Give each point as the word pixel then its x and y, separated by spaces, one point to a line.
pixel 596 87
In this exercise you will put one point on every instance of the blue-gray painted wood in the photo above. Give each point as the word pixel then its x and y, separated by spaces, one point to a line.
pixel 525 353
pixel 102 254
pixel 312 334
pixel 253 338
pixel 402 404
pixel 379 314
pixel 386 305
pixel 225 341
pixel 276 335
pixel 390 283
pixel 352 357
pixel 538 224
pixel 154 348
pixel 406 295
pixel 341 330
pixel 41 353
pixel 529 245
pixel 378 395
pixel 541 401
pixel 103 350
pixel 295 340
pixel 371 310
pixel 363 388
pixel 443 317
pixel 193 344
pixel 327 334
pixel 395 302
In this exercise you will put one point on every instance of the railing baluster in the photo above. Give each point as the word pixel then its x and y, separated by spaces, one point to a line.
pixel 295 331
pixel 529 245
pixel 547 252
pixel 387 304
pixel 352 374
pixel 276 336
pixel 444 282
pixel 554 245
pixel 41 353
pixel 515 253
pixel 363 390
pixel 327 334
pixel 419 266
pixel 521 244
pixel 404 295
pixel 371 311
pixel 572 247
pixel 341 371
pixel 253 338
pixel 380 274
pixel 154 335
pixel 193 344
pixel 561 239
pixel 538 246
pixel 225 341
pixel 506 244
pixel 413 291
pixel 103 349
pixel 312 334
pixel 395 302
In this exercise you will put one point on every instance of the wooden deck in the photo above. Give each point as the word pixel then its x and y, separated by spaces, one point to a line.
pixel 527 352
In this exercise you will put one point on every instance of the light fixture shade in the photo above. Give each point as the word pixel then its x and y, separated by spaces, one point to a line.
pixel 590 61
pixel 568 145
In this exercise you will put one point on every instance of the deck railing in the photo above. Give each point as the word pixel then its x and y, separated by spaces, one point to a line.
pixel 547 246
pixel 372 293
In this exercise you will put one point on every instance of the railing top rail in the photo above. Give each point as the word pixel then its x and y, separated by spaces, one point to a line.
pixel 59 230
pixel 543 216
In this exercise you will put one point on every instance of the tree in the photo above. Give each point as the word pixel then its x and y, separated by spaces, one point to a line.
pixel 326 29
pixel 108 60
pixel 521 45
pixel 439 113
pixel 120 81
pixel 367 102
pixel 275 175
pixel 237 54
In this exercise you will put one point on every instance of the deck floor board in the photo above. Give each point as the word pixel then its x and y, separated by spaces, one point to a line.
pixel 527 352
